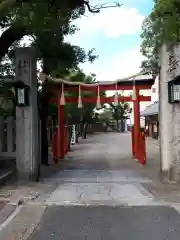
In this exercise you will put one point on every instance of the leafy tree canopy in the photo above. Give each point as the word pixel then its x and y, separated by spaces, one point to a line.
pixel 30 17
pixel 161 26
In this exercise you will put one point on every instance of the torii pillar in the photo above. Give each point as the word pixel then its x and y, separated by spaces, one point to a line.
pixel 136 108
pixel 60 131
pixel 27 121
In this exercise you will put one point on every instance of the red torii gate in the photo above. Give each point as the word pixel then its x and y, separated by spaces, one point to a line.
pixel 138 138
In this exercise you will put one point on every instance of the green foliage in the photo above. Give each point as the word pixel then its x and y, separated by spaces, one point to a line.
pixel 47 24
pixel 37 19
pixel 20 18
pixel 73 114
pixel 106 115
pixel 7 100
pixel 161 26
pixel 121 111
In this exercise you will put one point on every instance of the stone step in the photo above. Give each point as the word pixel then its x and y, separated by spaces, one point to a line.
pixel 5 175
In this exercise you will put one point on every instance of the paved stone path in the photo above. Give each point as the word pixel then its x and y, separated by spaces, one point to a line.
pixel 99 171
pixel 99 187
pixel 96 193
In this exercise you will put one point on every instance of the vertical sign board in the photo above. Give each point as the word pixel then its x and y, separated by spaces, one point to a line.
pixel 20 95
pixel 73 138
pixel 173 62
pixel 23 69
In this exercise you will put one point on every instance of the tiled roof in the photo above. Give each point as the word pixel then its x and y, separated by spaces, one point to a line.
pixel 151 110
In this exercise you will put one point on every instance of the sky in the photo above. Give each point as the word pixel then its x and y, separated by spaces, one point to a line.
pixel 115 35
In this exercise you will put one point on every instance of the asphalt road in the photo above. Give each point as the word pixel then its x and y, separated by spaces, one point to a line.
pixel 108 222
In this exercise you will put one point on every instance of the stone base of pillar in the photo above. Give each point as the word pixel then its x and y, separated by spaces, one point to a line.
pixel 164 176
pixel 168 176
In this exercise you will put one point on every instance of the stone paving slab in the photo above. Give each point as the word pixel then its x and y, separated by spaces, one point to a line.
pixel 98 186
pixel 87 193
pixel 99 176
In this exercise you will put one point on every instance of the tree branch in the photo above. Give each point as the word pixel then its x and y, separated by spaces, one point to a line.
pixel 5 7
pixel 8 37
pixel 97 9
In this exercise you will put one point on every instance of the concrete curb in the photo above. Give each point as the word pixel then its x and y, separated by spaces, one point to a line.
pixel 6 212
pixel 21 224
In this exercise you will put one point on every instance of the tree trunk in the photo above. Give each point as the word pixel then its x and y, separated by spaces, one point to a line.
pixel 81 129
pixel 43 113
pixel 70 136
pixel 44 140
pixel 117 125
pixel 106 127
pixel 123 125
pixel 77 132
pixel 85 130
pixel 90 128
pixel 43 109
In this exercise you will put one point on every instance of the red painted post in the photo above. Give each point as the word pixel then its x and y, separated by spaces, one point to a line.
pixel 132 134
pixel 143 160
pixel 140 150
pixel 136 124
pixel 62 130
pixel 65 141
pixel 54 147
pixel 58 130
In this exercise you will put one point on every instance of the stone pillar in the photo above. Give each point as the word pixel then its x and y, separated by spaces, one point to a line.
pixel 9 135
pixel 169 119
pixel 1 133
pixel 27 122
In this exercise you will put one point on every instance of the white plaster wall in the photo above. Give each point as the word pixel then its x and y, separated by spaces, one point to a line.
pixel 155 96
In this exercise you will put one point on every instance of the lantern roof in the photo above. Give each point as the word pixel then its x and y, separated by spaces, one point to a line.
pixel 176 80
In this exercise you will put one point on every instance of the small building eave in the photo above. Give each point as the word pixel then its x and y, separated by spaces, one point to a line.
pixel 152 109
